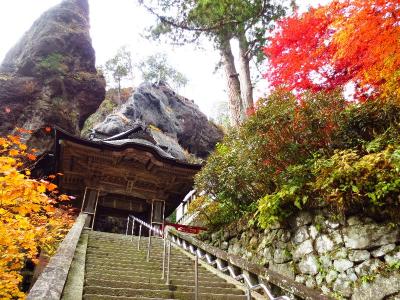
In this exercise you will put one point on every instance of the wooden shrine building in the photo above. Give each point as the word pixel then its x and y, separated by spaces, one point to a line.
pixel 115 177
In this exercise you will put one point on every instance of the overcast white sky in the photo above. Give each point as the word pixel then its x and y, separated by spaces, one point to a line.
pixel 115 23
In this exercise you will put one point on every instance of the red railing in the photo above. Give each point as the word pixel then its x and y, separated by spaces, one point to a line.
pixel 186 228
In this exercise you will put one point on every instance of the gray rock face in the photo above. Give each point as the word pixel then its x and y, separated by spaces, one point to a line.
pixel 304 248
pixel 309 265
pixel 369 266
pixel 311 282
pixel 224 246
pixel 301 235
pixel 331 276
pixel 383 250
pixel 304 218
pixel 359 255
pixel 343 286
pixel 281 256
pixel 369 235
pixel 323 244
pixel 379 288
pixel 341 253
pixel 174 115
pixel 325 261
pixel 49 77
pixel 342 264
pixel 392 258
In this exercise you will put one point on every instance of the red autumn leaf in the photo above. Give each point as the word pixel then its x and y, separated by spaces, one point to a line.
pixel 329 46
pixel 51 187
pixel 31 156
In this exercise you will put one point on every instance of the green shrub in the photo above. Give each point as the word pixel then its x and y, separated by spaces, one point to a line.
pixel 321 151
pixel 213 214
pixel 282 132
pixel 361 123
pixel 347 182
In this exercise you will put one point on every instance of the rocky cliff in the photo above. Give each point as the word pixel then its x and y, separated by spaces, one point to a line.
pixel 175 123
pixel 49 77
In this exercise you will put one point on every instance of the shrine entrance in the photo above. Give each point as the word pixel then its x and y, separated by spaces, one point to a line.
pixel 112 179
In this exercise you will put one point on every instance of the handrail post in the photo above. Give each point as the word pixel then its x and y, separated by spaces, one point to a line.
pixel 248 293
pixel 149 246
pixel 127 225
pixel 164 255
pixel 196 277
pixel 132 229
pixel 168 262
pixel 140 235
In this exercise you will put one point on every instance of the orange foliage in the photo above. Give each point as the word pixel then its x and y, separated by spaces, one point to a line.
pixel 28 219
pixel 327 47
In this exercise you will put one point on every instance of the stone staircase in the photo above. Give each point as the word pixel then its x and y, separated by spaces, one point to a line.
pixel 115 269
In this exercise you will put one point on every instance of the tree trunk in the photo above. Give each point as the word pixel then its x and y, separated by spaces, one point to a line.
pixel 232 79
pixel 245 78
pixel 119 92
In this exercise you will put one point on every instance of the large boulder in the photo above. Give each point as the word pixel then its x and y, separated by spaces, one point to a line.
pixel 161 109
pixel 49 77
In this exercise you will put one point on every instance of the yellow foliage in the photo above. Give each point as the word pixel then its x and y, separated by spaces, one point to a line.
pixel 28 219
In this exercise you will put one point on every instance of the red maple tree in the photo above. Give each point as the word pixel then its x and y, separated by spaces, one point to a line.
pixel 346 41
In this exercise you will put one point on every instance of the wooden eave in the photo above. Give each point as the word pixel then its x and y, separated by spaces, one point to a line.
pixel 131 169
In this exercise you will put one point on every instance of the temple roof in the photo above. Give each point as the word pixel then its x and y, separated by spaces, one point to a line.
pixel 123 167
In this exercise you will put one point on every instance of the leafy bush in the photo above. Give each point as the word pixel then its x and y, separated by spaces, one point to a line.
pixel 29 220
pixel 348 182
pixel 283 131
pixel 213 214
pixel 321 151
pixel 362 123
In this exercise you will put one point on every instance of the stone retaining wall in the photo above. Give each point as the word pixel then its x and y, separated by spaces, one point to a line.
pixel 355 258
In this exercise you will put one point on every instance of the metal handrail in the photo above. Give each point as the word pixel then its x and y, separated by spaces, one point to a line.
pixel 216 263
pixel 151 229
pixel 251 281
pixel 147 225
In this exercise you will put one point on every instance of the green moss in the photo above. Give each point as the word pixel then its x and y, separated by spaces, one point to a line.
pixel 105 108
pixel 367 278
pixel 53 63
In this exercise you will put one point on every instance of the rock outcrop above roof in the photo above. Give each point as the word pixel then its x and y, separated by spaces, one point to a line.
pixel 175 123
pixel 49 76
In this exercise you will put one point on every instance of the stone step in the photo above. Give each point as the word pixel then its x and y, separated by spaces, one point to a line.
pixel 119 247
pixel 155 267
pixel 155 243
pixel 162 286
pixel 125 292
pixel 131 250
pixel 138 258
pixel 125 239
pixel 142 264
pixel 210 282
pixel 100 297
pixel 128 254
pixel 109 259
pixel 151 275
pixel 156 264
pixel 143 267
